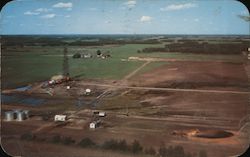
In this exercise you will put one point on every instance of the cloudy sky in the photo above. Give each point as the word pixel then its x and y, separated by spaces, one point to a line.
pixel 123 17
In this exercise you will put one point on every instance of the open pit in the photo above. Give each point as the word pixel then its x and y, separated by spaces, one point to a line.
pixel 204 133
pixel 213 134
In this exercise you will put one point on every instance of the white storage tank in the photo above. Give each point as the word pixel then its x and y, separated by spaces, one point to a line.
pixel 26 114
pixel 19 116
pixel 15 113
pixel 9 115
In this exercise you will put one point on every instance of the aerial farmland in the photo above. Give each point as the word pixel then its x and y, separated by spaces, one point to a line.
pixel 110 79
pixel 197 101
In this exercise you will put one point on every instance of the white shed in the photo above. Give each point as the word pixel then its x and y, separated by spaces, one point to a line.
pixel 94 124
pixel 87 91
pixel 61 118
pixel 102 114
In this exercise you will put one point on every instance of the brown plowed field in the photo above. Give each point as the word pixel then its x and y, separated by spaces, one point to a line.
pixel 188 74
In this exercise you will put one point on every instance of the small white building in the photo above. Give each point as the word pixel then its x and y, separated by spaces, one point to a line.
pixel 60 118
pixel 94 124
pixel 102 114
pixel 87 91
pixel 87 55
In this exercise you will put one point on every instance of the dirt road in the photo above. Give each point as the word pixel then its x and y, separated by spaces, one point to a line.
pixel 165 89
pixel 135 71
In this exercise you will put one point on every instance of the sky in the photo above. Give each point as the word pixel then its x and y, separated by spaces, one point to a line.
pixel 124 17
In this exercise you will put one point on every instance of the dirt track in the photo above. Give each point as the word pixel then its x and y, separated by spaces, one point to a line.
pixel 165 89
pixel 135 71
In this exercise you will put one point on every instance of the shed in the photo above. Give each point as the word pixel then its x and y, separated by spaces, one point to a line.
pixel 94 124
pixel 102 114
pixel 61 118
pixel 87 91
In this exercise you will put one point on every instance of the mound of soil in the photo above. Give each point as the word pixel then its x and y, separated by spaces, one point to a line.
pixel 213 134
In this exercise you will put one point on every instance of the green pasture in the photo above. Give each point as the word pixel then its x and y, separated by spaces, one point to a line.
pixel 21 66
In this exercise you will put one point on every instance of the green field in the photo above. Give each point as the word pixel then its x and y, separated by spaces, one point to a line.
pixel 21 66
pixel 24 65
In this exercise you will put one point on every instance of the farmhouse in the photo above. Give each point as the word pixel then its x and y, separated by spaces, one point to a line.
pixel 61 118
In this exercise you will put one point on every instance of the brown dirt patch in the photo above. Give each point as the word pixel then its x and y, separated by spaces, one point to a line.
pixel 190 74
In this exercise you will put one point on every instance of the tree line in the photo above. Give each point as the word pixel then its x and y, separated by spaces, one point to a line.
pixel 191 46
pixel 118 145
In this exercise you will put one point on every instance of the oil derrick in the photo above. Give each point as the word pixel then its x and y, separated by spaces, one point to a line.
pixel 65 63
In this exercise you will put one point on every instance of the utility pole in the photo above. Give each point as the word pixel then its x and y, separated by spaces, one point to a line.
pixel 126 109
pixel 65 62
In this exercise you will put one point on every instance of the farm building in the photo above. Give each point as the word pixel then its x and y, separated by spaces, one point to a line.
pixel 61 118
pixel 94 124
pixel 58 79
pixel 87 91
pixel 87 55
pixel 102 114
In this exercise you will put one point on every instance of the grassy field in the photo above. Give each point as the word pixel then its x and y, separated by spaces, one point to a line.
pixel 21 66
pixel 24 65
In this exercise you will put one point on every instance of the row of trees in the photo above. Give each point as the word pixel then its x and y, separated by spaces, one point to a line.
pixel 116 145
pixel 136 148
pixel 191 46
pixel 55 139
pixel 119 145
pixel 55 41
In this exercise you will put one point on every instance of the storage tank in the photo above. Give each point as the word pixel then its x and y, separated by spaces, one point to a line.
pixel 19 116
pixel 26 114
pixel 15 112
pixel 9 116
